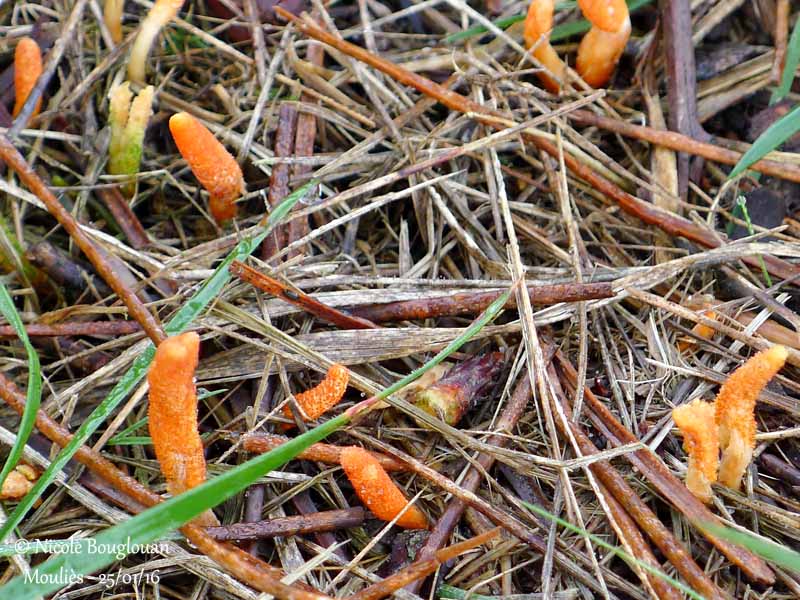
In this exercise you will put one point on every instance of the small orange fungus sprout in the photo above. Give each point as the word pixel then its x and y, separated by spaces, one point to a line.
pixel 172 415
pixel 19 482
pixel 163 12
pixel 324 396
pixel 701 442
pixel 735 411
pixel 376 489
pixel 538 24
pixel 112 15
pixel 27 68
pixel 599 50
pixel 215 168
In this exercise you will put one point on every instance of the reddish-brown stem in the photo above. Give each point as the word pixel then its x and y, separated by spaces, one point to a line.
pixel 123 215
pixel 652 215
pixel 324 453
pixel 304 147
pixel 682 143
pixel 11 156
pixel 249 570
pixel 666 483
pixel 629 501
pixel 420 569
pixel 91 328
pixel 441 532
pixel 298 298
pixel 781 36
pixel 472 303
pixel 329 520
pixel 279 180
pixel 681 79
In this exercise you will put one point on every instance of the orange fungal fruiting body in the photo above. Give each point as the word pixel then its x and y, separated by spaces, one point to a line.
pixel 112 15
pixel 162 12
pixel 27 68
pixel 601 48
pixel 376 489
pixel 538 24
pixel 215 168
pixel 701 443
pixel 735 412
pixel 172 414
pixel 701 330
pixel 324 396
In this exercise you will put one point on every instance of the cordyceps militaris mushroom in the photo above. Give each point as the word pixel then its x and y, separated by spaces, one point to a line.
pixel 27 68
pixel 538 24
pixel 325 395
pixel 376 489
pixel 172 416
pixel 215 168
pixel 112 16
pixel 735 412
pixel 599 50
pixel 701 442
pixel 128 118
pixel 163 12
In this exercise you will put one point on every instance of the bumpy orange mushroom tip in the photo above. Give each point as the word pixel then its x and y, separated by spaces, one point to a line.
pixel 538 23
pixel 601 48
pixel 172 415
pixel 19 482
pixel 324 396
pixel 701 443
pixel 163 12
pixel 735 412
pixel 215 168
pixel 27 68
pixel 376 489
pixel 700 330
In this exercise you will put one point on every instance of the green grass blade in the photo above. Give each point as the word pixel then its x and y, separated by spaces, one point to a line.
pixel 182 318
pixel 777 133
pixel 155 522
pixel 560 32
pixel 616 550
pixel 34 391
pixel 150 525
pixel 775 553
pixel 789 67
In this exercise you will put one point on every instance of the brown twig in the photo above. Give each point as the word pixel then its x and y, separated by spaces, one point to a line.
pixel 11 156
pixel 298 298
pixel 329 520
pixel 324 453
pixel 248 569
pixel 472 303
pixel 421 568
pixel 90 328
pixel 633 505
pixel 669 486
pixel 681 79
pixel 683 143
pixel 304 147
pixel 125 218
pixel 441 532
pixel 782 10
pixel 652 215
pixel 279 179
